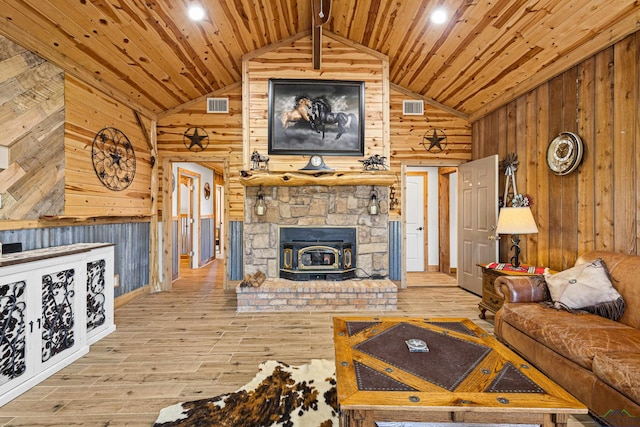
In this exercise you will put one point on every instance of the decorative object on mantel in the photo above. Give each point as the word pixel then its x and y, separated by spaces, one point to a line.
pixel 114 159
pixel 374 163
pixel 328 178
pixel 374 204
pixel 254 281
pixel 437 141
pixel 261 207
pixel 259 161
pixel 564 153
pixel 196 139
pixel 316 163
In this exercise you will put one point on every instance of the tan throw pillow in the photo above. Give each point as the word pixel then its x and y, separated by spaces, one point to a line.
pixel 586 287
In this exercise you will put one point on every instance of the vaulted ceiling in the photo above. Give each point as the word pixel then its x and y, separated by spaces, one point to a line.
pixel 149 54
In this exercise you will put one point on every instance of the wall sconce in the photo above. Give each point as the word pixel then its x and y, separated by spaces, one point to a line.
pixel 374 205
pixel 260 207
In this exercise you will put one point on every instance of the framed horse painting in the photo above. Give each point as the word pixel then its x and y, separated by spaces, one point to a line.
pixel 316 117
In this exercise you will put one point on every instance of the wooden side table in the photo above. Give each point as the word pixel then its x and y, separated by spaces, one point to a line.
pixel 490 299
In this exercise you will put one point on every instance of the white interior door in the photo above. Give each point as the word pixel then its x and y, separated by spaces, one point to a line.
pixel 415 220
pixel 477 219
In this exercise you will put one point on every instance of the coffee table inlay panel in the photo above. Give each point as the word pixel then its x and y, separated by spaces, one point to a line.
pixel 466 376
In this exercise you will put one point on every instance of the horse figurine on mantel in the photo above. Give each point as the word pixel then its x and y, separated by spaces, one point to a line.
pixel 300 112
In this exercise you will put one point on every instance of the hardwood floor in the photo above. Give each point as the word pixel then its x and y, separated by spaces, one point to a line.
pixel 190 344
pixel 431 279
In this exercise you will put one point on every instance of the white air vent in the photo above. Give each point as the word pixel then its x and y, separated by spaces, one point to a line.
pixel 217 105
pixel 412 108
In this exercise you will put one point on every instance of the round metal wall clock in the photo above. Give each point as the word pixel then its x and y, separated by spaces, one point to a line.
pixel 564 153
pixel 114 159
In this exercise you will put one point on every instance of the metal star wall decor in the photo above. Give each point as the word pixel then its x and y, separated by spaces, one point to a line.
pixel 196 139
pixel 436 142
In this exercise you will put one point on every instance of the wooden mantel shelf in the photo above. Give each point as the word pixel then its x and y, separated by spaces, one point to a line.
pixel 301 178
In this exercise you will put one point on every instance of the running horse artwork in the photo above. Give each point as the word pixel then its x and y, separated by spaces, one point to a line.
pixel 315 117
pixel 321 116
pixel 300 111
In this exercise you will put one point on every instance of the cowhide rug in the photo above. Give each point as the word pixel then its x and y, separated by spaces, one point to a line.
pixel 279 396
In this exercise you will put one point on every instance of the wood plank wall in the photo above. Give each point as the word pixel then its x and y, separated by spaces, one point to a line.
pixel 32 113
pixel 89 111
pixel 341 60
pixel 407 134
pixel 225 141
pixel 596 207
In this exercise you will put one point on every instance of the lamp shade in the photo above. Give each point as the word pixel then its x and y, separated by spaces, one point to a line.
pixel 516 221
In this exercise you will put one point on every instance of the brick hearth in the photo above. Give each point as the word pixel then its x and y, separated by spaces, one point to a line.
pixel 348 295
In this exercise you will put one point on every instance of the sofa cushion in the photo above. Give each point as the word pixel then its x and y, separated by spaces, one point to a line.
pixel 586 287
pixel 621 370
pixel 625 271
pixel 578 337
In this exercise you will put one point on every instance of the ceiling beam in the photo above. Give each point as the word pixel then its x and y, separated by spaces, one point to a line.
pixel 316 37
pixel 320 14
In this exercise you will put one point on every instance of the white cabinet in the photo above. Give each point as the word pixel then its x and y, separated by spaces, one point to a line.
pixel 49 301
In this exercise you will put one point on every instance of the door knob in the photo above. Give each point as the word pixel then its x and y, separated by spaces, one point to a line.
pixel 419 228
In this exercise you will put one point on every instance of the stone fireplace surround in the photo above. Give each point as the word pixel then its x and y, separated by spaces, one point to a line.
pixel 316 206
pixel 294 200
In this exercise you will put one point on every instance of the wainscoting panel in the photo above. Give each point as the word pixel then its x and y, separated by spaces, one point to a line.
pixel 176 255
pixel 395 250
pixel 131 250
pixel 235 250
pixel 206 240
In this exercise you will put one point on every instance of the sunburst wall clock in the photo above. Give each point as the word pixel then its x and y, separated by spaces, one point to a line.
pixel 114 159
pixel 196 139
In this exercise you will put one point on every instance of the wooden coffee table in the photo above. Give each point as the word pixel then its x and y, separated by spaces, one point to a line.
pixel 467 376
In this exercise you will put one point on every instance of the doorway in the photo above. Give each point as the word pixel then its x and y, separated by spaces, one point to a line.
pixel 416 221
pixel 196 204
pixel 188 217
pixel 429 201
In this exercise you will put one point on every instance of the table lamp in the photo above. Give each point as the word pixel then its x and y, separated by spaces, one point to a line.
pixel 516 221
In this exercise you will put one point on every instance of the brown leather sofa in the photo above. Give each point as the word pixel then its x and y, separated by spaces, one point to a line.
pixel 594 358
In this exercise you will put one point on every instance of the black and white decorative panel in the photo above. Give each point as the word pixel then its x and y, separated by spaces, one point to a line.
pixel 96 312
pixel 58 318
pixel 13 336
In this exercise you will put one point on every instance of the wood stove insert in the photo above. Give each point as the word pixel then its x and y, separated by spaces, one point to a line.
pixel 308 253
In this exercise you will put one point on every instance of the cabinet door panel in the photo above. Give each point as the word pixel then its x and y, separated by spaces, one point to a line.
pixel 61 307
pixel 14 322
pixel 99 294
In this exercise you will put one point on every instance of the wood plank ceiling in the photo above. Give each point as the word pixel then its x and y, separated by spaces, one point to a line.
pixel 149 54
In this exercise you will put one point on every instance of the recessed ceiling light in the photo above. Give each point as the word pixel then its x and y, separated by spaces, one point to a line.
pixel 196 12
pixel 439 16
